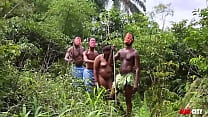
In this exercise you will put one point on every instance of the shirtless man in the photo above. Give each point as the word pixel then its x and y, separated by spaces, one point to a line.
pixel 103 68
pixel 89 57
pixel 128 78
pixel 74 55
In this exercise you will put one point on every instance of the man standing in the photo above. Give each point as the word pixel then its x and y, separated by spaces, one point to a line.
pixel 89 57
pixel 74 55
pixel 128 78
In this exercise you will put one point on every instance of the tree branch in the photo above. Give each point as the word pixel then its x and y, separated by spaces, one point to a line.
pixel 5 16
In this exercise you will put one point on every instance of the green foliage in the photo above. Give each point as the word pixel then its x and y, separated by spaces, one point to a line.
pixel 108 26
pixel 201 63
pixel 8 52
pixel 144 110
pixel 69 15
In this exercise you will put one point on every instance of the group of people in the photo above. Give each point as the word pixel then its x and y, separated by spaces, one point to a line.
pixel 99 70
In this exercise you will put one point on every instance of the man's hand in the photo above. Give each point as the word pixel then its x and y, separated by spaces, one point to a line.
pixel 69 61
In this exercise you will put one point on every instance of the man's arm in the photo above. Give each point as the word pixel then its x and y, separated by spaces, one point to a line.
pixel 96 68
pixel 68 56
pixel 137 67
pixel 86 59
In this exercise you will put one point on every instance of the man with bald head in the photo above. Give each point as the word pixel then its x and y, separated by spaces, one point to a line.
pixel 74 55
pixel 128 78
pixel 89 57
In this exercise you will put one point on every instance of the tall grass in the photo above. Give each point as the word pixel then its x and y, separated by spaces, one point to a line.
pixel 41 95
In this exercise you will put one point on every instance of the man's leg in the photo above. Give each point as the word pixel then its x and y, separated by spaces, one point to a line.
pixel 128 95
pixel 77 73
pixel 88 77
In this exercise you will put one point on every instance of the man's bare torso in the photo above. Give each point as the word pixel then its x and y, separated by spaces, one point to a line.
pixel 127 56
pixel 77 55
pixel 91 56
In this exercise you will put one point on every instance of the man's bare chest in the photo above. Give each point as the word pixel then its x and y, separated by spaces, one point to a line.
pixel 91 55
pixel 127 56
pixel 77 52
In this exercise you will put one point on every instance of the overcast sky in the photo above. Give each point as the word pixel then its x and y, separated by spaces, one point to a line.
pixel 182 8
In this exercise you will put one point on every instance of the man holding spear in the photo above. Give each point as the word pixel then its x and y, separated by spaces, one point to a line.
pixel 128 78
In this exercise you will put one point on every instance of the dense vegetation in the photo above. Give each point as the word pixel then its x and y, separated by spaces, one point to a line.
pixel 35 80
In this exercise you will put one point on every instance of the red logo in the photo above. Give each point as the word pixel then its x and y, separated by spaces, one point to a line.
pixel 185 111
pixel 190 111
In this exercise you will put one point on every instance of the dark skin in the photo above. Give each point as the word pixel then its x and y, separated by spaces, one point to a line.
pixel 89 57
pixel 103 69
pixel 130 63
pixel 75 54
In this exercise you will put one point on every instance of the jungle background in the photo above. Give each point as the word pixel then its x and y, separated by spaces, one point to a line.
pixel 35 79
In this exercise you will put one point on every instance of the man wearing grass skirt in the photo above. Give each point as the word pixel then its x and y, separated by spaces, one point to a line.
pixel 128 78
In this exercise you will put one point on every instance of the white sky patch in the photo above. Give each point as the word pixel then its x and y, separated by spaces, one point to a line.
pixel 140 8
pixel 109 6
pixel 182 9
